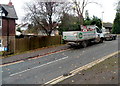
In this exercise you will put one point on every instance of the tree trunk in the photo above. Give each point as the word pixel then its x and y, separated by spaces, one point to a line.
pixel 81 20
pixel 49 33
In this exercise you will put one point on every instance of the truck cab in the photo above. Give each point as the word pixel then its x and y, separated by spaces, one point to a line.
pixel 99 34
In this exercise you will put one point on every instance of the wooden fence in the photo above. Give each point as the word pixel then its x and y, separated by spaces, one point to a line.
pixel 25 44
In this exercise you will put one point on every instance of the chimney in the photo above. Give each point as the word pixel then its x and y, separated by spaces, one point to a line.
pixel 10 3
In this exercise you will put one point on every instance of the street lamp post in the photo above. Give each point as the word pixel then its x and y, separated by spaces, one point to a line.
pixel 102 18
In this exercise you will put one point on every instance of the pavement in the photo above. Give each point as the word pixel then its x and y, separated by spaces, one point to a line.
pixel 33 54
pixel 104 73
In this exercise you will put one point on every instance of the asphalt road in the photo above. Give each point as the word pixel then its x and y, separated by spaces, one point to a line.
pixel 105 73
pixel 44 69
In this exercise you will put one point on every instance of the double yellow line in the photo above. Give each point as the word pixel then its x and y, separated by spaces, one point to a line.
pixel 85 67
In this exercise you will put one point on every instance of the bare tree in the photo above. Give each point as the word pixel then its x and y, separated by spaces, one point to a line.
pixel 79 7
pixel 44 14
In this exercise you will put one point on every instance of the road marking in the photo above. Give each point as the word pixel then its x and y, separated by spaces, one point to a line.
pixel 34 58
pixel 39 66
pixel 85 67
pixel 11 63
pixel 51 53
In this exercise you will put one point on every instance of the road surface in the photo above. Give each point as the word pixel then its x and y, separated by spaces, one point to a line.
pixel 105 73
pixel 43 69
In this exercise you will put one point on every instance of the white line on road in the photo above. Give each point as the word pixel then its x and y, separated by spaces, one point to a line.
pixel 52 53
pixel 39 66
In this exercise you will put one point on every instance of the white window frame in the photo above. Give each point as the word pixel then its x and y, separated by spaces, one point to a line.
pixel 1 43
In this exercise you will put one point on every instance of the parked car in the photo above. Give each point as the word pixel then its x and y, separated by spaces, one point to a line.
pixel 110 37
pixel 114 36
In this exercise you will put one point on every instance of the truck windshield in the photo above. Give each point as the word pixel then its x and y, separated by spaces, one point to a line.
pixel 98 30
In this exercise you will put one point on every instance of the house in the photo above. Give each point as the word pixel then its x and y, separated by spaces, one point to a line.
pixel 54 32
pixel 22 27
pixel 108 27
pixel 18 33
pixel 7 26
pixel 43 33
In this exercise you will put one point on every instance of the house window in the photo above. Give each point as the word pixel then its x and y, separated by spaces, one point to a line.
pixel 0 43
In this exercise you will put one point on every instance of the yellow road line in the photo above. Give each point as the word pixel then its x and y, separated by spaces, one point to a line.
pixel 33 58
pixel 11 63
pixel 85 67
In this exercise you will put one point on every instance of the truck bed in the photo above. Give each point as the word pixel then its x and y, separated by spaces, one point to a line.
pixel 73 36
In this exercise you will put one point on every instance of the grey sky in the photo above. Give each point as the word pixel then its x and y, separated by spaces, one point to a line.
pixel 108 6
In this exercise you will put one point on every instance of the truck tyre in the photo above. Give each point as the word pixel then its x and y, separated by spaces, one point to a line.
pixel 84 44
pixel 101 40
pixel 64 42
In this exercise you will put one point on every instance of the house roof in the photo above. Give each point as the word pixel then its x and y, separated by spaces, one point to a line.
pixel 22 25
pixel 108 25
pixel 9 11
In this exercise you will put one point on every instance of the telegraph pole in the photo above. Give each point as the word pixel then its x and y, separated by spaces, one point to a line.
pixel 102 17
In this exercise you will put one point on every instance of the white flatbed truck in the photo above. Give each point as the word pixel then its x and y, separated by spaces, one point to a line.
pixel 86 35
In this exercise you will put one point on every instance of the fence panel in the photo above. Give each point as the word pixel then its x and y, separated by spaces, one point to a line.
pixel 34 43
pixel 22 44
pixel 25 44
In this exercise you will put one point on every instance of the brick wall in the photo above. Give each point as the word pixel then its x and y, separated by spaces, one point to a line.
pixel 11 42
pixel 8 25
pixel 8 33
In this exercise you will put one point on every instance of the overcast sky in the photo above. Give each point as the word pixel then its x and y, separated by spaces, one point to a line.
pixel 108 7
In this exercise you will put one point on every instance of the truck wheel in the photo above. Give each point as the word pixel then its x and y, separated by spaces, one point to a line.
pixel 101 40
pixel 64 42
pixel 84 44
